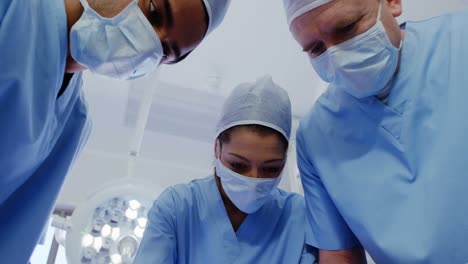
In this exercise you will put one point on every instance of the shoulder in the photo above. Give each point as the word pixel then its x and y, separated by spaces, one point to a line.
pixel 184 195
pixel 443 39
pixel 33 33
pixel 325 112
pixel 23 14
pixel 460 15
pixel 454 22
pixel 289 201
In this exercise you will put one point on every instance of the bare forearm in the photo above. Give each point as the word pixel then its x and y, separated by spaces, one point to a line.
pixel 354 255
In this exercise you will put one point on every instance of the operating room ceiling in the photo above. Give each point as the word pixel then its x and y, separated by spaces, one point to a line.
pixel 178 141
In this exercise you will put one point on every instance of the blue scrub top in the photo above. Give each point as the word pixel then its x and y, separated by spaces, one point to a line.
pixel 394 177
pixel 40 135
pixel 188 223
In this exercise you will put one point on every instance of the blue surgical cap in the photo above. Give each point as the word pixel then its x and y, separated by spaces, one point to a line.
pixel 216 10
pixel 261 103
pixel 296 8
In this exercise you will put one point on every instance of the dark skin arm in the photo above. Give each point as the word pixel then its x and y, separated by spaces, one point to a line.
pixel 354 255
pixel 235 215
pixel 66 80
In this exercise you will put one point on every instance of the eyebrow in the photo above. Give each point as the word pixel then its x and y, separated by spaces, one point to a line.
pixel 246 160
pixel 336 26
pixel 273 160
pixel 240 157
pixel 169 17
pixel 181 58
pixel 175 48
pixel 169 21
pixel 310 46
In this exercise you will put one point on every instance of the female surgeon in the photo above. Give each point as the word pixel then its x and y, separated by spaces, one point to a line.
pixel 237 215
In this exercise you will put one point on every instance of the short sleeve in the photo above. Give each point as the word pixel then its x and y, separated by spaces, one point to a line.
pixel 159 243
pixel 309 255
pixel 329 231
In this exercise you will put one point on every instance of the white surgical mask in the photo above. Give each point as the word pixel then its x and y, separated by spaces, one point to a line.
pixel 122 47
pixel 363 65
pixel 247 194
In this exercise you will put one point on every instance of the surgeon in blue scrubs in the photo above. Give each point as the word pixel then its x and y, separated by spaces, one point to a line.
pixel 383 153
pixel 44 46
pixel 237 215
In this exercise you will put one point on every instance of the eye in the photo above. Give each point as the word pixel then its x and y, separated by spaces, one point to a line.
pixel 271 170
pixel 316 50
pixel 237 166
pixel 166 50
pixel 154 17
pixel 346 29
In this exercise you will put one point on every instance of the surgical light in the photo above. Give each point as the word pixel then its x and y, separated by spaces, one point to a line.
pixel 125 236
pixel 87 240
pixel 116 259
pixel 142 222
pixel 131 213
pixel 106 230
pixel 109 226
pixel 134 204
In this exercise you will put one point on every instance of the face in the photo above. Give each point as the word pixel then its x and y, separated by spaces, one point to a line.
pixel 180 24
pixel 252 155
pixel 341 20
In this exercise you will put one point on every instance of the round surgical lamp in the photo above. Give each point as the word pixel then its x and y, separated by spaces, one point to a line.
pixel 109 225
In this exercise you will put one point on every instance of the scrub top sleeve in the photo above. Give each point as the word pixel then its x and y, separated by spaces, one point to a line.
pixel 309 254
pixel 329 231
pixel 4 4
pixel 159 244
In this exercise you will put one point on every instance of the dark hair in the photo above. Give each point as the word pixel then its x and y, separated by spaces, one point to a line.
pixel 207 20
pixel 262 131
pixel 207 17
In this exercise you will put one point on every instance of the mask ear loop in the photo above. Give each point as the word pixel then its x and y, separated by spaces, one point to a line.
pixel 218 149
pixel 218 155
pixel 85 4
pixel 379 15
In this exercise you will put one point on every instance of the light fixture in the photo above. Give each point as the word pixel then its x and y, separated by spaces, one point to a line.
pixel 142 222
pixel 109 226
pixel 131 213
pixel 106 230
pixel 116 259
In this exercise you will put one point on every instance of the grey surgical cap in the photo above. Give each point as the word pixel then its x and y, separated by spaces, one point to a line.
pixel 216 10
pixel 296 8
pixel 259 103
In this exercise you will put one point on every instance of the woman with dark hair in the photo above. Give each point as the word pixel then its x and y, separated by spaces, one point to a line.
pixel 237 215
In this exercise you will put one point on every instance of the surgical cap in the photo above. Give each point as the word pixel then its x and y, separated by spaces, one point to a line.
pixel 296 8
pixel 216 10
pixel 259 103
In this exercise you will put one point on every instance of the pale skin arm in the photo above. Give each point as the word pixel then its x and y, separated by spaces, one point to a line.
pixel 354 255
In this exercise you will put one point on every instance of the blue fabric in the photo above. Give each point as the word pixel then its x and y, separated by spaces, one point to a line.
pixel 216 10
pixel 262 102
pixel 393 176
pixel 40 135
pixel 189 224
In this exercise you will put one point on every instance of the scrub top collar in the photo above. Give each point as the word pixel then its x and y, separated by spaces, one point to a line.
pixel 390 115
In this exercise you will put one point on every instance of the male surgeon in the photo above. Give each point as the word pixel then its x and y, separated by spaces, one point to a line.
pixel 383 153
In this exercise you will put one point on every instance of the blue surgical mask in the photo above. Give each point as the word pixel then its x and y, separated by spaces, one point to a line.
pixel 122 47
pixel 247 194
pixel 363 65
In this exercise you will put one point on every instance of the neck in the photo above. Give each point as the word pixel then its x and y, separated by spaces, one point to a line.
pixel 235 215
pixel 74 10
pixel 383 96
